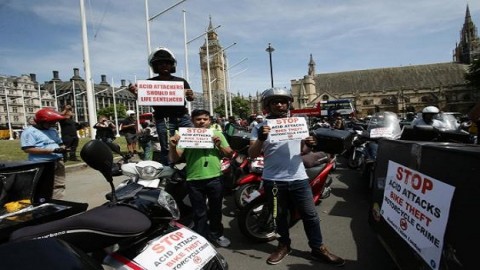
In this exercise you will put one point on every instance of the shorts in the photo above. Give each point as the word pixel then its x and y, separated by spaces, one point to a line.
pixel 131 138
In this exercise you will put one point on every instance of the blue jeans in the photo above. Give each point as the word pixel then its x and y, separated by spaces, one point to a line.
pixel 173 124
pixel 295 195
pixel 198 192
pixel 147 150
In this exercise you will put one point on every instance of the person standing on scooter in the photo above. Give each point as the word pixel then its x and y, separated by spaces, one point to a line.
pixel 167 118
pixel 204 179
pixel 286 181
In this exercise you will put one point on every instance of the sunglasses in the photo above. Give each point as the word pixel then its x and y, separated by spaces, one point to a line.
pixel 276 101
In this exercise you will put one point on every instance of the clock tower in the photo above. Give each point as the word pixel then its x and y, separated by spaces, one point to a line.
pixel 213 66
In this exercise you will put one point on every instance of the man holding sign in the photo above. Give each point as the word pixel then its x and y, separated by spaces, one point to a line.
pixel 203 149
pixel 167 94
pixel 281 139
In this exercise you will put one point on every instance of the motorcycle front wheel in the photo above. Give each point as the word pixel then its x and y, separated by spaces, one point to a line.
pixel 256 222
pixel 242 193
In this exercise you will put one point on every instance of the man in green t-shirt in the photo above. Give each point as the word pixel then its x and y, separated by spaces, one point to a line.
pixel 204 179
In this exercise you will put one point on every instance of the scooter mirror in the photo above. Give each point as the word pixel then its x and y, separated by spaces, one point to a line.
pixel 98 156
pixel 114 147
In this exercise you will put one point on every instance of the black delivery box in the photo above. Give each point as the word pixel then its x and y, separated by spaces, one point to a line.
pixel 26 189
pixel 452 163
pixel 333 141
pixel 240 141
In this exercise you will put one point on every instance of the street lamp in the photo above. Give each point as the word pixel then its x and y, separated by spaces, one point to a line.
pixel 270 49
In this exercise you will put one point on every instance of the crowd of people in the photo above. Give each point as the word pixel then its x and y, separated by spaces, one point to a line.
pixel 284 175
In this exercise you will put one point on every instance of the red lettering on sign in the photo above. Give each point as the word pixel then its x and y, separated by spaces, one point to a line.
pixel 414 179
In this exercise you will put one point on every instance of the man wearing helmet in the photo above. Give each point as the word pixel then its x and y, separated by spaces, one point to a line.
pixel 428 114
pixel 42 143
pixel 284 170
pixel 167 118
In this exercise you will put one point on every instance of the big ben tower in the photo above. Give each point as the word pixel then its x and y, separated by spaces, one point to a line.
pixel 215 79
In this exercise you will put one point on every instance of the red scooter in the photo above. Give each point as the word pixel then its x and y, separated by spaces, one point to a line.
pixel 247 187
pixel 255 218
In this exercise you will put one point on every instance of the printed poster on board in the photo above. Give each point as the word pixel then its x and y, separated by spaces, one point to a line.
pixel 160 93
pixel 417 206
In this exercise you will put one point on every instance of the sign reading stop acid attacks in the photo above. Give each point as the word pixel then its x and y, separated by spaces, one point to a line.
pixel 284 129
pixel 416 206
pixel 180 249
pixel 195 138
pixel 160 93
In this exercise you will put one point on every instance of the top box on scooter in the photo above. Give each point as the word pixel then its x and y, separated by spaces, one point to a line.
pixel 26 189
pixel 333 141
pixel 240 141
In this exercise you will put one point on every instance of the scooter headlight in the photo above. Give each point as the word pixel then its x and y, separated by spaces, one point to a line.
pixel 147 172
pixel 168 202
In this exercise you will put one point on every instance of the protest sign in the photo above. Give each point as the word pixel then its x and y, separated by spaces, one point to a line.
pixel 284 129
pixel 160 93
pixel 180 249
pixel 417 206
pixel 195 137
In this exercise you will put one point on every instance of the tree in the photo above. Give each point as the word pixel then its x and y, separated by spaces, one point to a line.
pixel 473 75
pixel 241 107
pixel 110 112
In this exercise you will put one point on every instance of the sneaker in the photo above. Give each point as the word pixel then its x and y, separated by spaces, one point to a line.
pixel 322 254
pixel 281 252
pixel 222 241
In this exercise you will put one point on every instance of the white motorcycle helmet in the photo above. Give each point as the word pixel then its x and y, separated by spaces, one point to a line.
pixel 130 112
pixel 159 54
pixel 431 109
pixel 428 114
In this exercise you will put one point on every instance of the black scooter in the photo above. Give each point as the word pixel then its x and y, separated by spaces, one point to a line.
pixel 136 229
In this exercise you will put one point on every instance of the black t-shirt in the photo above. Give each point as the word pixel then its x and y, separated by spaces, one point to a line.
pixel 69 127
pixel 103 132
pixel 129 121
pixel 161 112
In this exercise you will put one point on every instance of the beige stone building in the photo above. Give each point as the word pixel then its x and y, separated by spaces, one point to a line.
pixel 398 89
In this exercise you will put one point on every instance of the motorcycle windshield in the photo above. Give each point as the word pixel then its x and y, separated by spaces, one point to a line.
pixel 448 120
pixel 384 125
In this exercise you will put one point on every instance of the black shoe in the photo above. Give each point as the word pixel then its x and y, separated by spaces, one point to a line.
pixel 281 252
pixel 322 254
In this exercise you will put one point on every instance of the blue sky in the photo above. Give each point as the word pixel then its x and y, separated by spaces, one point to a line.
pixel 42 36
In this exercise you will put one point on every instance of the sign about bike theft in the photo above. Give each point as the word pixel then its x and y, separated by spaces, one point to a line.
pixel 195 138
pixel 285 129
pixel 417 206
pixel 180 249
pixel 160 93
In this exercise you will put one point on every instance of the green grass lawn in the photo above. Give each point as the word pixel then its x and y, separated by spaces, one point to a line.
pixel 10 149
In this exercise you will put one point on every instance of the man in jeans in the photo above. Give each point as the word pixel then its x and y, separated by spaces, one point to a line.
pixel 204 179
pixel 285 172
pixel 167 118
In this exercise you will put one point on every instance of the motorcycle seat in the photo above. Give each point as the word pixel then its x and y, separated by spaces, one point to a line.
pixel 314 171
pixel 92 230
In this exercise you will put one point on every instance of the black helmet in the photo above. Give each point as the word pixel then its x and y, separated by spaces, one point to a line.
pixel 162 54
pixel 275 92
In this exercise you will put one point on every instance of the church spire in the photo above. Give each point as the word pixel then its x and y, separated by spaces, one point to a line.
pixel 469 46
pixel 311 66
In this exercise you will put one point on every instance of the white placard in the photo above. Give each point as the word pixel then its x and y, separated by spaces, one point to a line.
pixel 383 132
pixel 417 206
pixel 285 129
pixel 160 93
pixel 180 249
pixel 195 138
